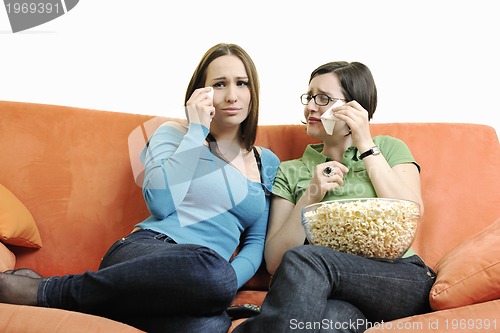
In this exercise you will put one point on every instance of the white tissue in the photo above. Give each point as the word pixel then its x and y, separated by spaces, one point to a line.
pixel 328 119
pixel 211 93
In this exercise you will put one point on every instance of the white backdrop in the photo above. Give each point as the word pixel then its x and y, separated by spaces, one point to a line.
pixel 433 60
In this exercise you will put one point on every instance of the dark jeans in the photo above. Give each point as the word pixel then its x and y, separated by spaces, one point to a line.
pixel 149 281
pixel 316 289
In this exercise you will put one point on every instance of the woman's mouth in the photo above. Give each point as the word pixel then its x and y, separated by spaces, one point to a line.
pixel 313 120
pixel 231 111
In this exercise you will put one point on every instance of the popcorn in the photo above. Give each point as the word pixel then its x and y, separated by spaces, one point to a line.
pixel 375 228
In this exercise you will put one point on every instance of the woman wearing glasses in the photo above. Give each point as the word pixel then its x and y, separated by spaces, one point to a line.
pixel 315 288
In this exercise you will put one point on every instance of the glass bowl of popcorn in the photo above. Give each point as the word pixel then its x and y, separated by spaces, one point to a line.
pixel 368 227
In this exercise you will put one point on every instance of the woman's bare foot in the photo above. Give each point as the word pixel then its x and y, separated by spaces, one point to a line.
pixel 19 289
pixel 24 272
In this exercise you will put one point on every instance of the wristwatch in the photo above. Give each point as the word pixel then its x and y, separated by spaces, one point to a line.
pixel 372 151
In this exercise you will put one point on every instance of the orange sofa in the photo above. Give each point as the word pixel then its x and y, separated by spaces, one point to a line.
pixel 67 172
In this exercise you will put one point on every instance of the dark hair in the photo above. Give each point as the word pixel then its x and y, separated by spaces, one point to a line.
pixel 249 125
pixel 356 80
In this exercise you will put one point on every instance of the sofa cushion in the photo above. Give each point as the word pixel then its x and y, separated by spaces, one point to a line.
pixel 32 319
pixel 17 226
pixel 7 259
pixel 470 273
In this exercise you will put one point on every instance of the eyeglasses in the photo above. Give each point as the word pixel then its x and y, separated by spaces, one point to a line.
pixel 319 99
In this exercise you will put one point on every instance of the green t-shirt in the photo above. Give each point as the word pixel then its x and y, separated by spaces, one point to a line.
pixel 294 176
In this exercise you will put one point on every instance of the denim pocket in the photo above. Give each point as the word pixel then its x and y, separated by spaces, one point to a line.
pixel 111 250
pixel 415 259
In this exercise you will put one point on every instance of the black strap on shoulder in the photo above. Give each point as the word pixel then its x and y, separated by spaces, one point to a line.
pixel 259 165
pixel 210 138
pixel 259 162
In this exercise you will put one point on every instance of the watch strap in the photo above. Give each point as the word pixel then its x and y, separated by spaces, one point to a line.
pixel 372 151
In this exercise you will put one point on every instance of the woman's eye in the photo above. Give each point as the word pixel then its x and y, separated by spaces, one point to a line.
pixel 324 99
pixel 243 83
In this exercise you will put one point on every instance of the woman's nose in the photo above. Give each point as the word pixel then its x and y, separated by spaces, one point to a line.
pixel 231 94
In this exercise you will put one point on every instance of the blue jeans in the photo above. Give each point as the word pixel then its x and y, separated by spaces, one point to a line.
pixel 316 289
pixel 148 281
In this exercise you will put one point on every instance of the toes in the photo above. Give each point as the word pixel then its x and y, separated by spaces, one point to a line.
pixel 18 289
pixel 24 272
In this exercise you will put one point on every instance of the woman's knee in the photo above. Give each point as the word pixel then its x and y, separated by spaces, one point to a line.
pixel 293 261
pixel 299 254
pixel 302 264
pixel 312 258
pixel 219 277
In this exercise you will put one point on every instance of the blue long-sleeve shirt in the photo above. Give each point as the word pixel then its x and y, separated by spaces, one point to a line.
pixel 197 198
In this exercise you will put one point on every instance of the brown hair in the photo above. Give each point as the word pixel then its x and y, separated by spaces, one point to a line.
pixel 356 80
pixel 249 125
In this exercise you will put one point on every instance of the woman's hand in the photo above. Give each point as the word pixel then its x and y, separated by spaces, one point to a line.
pixel 199 107
pixel 326 177
pixel 356 117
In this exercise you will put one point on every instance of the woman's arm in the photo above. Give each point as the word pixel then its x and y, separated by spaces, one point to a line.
pixel 285 223
pixel 284 232
pixel 171 156
pixel 402 181
pixel 170 160
pixel 249 258
pixel 399 182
